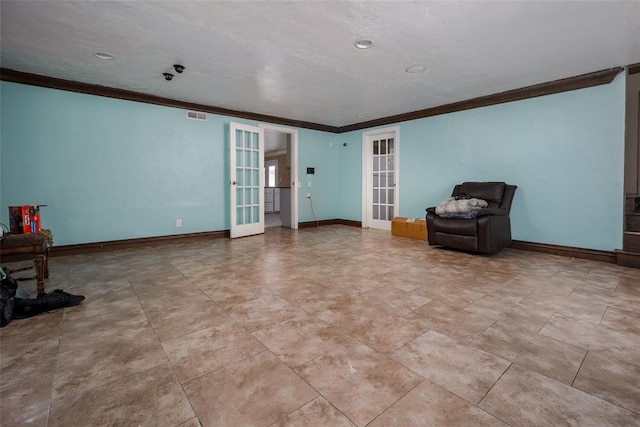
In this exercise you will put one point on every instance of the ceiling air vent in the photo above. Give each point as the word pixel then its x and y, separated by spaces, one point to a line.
pixel 196 115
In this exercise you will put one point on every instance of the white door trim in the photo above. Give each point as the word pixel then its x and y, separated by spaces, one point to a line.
pixel 367 168
pixel 293 155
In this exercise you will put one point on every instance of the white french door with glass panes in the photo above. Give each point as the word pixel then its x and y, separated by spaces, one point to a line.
pixel 246 178
pixel 380 168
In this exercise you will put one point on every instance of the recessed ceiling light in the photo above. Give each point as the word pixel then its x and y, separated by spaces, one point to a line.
pixel 415 69
pixel 103 55
pixel 363 44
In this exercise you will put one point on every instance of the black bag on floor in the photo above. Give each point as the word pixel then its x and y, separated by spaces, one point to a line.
pixel 8 288
pixel 24 308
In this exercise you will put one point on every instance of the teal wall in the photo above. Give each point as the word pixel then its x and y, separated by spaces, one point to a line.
pixel 565 152
pixel 111 169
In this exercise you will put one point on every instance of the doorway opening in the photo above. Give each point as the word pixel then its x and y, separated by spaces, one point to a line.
pixel 280 166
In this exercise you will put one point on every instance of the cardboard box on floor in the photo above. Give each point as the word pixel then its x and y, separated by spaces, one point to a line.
pixel 415 228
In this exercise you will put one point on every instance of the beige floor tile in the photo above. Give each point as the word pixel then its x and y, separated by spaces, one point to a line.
pixel 574 305
pixel 264 311
pixel 298 340
pixel 623 346
pixel 179 321
pixel 544 355
pixel 524 398
pixel 378 328
pixel 621 320
pixel 463 370
pixel 431 405
pixel 330 305
pixel 358 381
pixel 353 284
pixel 394 300
pixel 34 329
pixel 317 413
pixel 295 289
pixel 210 349
pixel 455 323
pixel 96 362
pixel 611 380
pixel 256 391
pixel 26 375
pixel 150 398
pixel 193 422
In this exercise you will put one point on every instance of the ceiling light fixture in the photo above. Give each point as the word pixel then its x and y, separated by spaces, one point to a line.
pixel 103 55
pixel 179 68
pixel 414 69
pixel 167 76
pixel 363 44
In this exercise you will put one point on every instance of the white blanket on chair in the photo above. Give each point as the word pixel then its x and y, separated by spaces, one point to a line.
pixel 463 208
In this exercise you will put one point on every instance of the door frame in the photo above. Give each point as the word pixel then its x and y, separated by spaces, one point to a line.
pixel 367 170
pixel 292 152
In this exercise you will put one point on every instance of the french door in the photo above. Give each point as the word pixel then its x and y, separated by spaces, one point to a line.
pixel 246 178
pixel 380 180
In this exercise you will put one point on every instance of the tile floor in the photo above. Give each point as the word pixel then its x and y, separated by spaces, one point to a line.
pixel 328 326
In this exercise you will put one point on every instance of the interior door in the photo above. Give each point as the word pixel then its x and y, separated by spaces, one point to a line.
pixel 381 178
pixel 246 178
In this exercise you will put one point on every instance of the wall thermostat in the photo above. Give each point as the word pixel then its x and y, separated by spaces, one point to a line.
pixel 311 171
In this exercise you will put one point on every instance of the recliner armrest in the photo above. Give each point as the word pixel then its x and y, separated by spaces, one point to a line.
pixel 492 211
pixel 431 210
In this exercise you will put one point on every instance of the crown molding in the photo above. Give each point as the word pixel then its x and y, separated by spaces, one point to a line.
pixel 557 86
pixel 109 92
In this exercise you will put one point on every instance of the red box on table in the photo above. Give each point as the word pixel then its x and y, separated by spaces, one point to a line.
pixel 24 219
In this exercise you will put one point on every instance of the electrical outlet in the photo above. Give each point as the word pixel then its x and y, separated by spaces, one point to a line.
pixel 178 222
pixel 308 195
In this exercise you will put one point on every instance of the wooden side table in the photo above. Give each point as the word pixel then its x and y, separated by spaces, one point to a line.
pixel 36 244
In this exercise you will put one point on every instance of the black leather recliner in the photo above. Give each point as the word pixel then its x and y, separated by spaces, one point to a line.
pixel 488 233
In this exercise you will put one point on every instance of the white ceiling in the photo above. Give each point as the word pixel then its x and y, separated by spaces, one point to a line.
pixel 297 60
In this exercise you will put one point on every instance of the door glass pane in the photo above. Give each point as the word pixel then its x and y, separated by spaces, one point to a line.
pixel 390 211
pixel 247 197
pixel 390 199
pixel 391 145
pixel 376 164
pixel 376 180
pixel 254 162
pixel 239 196
pixel 383 213
pixel 375 195
pixel 239 176
pixel 375 212
pixel 391 181
pixel 247 139
pixel 239 157
pixel 383 196
pixel 383 163
pixel 256 214
pixel 247 159
pixel 256 178
pixel 247 215
pixel 383 146
pixel 238 138
pixel 383 179
pixel 239 217
pixel 247 178
pixel 376 150
pixel 390 165
pixel 256 196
